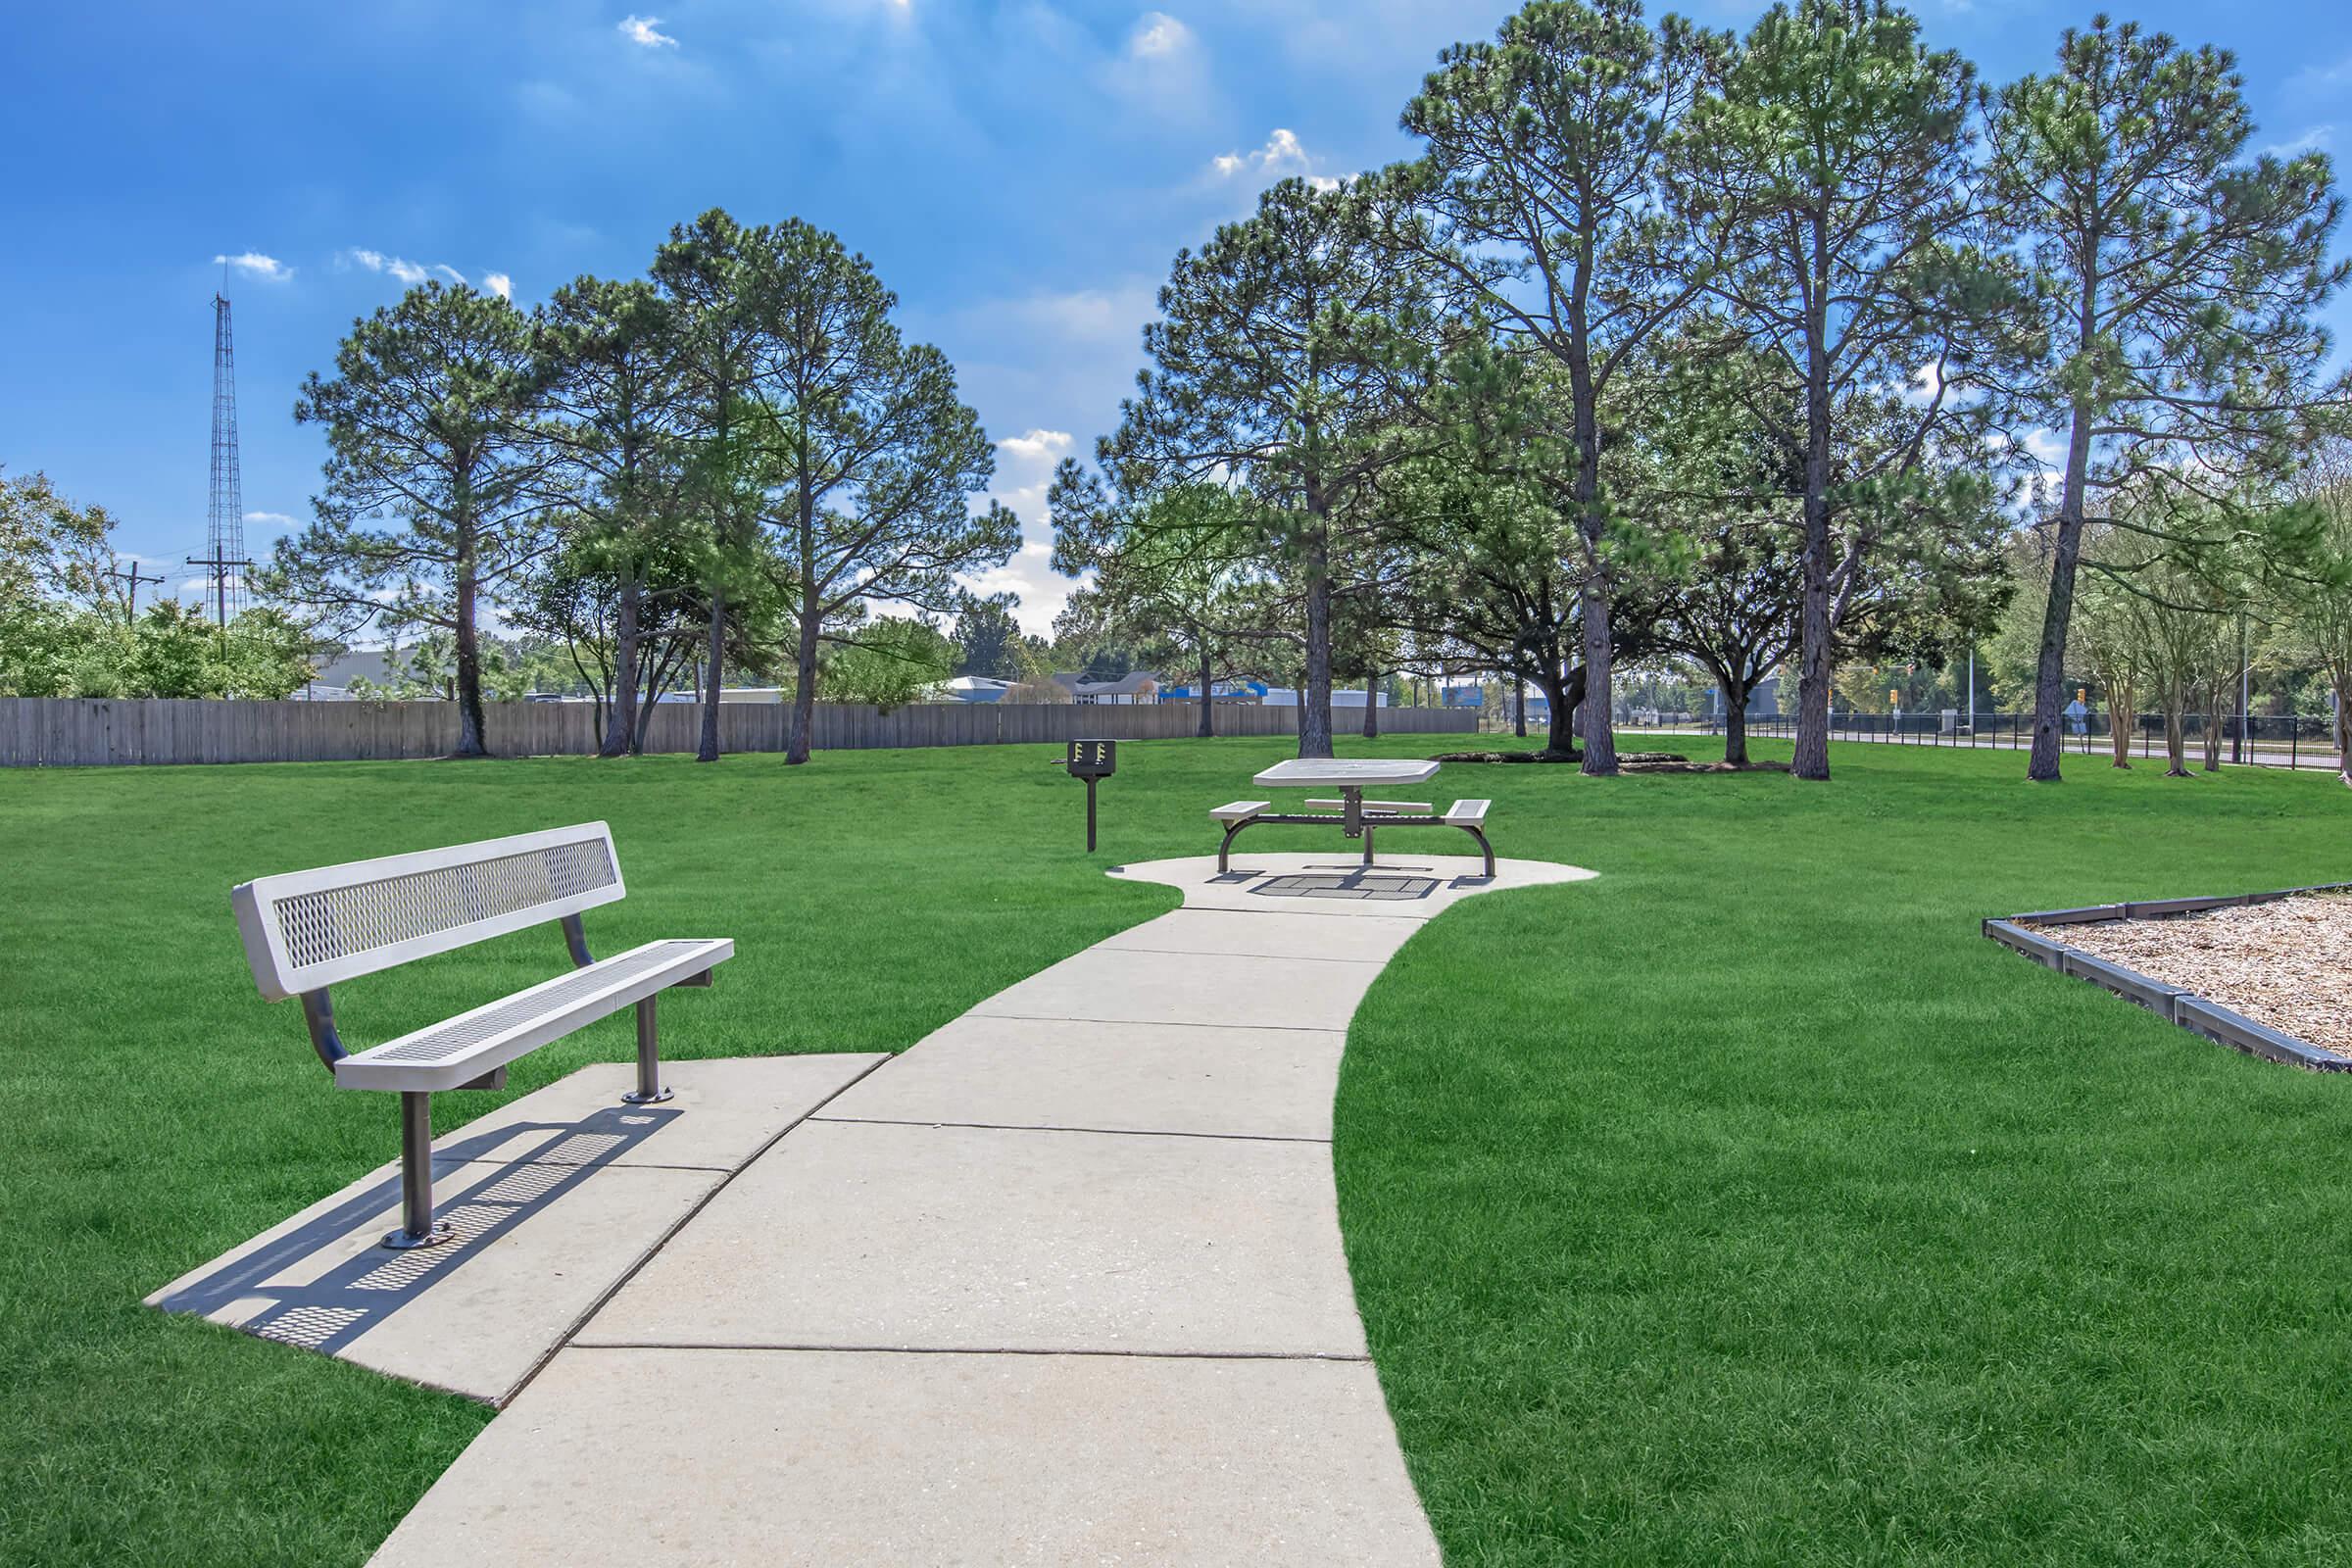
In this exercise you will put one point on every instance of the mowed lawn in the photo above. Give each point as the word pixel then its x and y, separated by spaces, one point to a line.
pixel 1740 1204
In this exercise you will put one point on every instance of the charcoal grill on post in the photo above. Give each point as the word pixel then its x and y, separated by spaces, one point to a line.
pixel 1092 761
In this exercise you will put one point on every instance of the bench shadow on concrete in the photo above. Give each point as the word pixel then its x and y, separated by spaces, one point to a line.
pixel 335 1306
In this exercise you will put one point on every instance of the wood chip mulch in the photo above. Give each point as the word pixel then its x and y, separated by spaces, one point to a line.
pixel 2286 965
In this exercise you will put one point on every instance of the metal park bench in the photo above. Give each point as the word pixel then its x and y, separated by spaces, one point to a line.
pixel 1356 816
pixel 305 931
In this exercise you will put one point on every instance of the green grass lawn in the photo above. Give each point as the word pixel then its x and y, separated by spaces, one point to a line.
pixel 1743 1204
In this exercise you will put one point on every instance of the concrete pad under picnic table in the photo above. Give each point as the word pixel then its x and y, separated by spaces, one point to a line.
pixel 866 1235
pixel 1109 985
pixel 554 1199
pixel 1131 1077
pixel 1402 885
pixel 652 1458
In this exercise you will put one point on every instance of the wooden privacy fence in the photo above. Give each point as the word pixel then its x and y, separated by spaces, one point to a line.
pixel 80 732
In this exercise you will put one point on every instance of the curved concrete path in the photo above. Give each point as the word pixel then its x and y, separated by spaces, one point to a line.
pixel 1060 1283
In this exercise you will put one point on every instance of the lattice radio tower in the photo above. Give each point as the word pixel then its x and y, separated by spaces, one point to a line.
pixel 225 517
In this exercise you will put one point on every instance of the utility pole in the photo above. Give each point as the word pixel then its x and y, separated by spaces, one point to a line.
pixel 219 568
pixel 130 581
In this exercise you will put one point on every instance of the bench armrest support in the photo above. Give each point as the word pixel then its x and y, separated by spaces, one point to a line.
pixel 319 1014
pixel 575 937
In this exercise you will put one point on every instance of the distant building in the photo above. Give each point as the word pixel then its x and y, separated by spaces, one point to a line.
pixel 1224 690
pixel 1341 697
pixel 976 689
pixel 1135 687
pixel 370 665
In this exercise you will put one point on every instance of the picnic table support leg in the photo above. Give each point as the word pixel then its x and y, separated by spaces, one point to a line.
pixel 417 1226
pixel 1483 848
pixel 1225 846
pixel 1367 845
pixel 649 1089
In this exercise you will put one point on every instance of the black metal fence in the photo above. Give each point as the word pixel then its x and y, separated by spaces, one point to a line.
pixel 2265 741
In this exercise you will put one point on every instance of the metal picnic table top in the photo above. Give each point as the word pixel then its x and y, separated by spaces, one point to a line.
pixel 1346 773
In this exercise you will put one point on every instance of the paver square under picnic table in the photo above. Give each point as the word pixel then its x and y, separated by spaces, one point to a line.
pixel 1356 817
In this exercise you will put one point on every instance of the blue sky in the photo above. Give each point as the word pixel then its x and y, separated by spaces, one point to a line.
pixel 1021 173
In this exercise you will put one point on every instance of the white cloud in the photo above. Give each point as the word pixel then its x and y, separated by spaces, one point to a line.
pixel 2315 140
pixel 1114 317
pixel 412 274
pixel 405 271
pixel 1283 156
pixel 1157 35
pixel 1161 74
pixel 268 519
pixel 644 31
pixel 1024 471
pixel 255 266
pixel 1046 447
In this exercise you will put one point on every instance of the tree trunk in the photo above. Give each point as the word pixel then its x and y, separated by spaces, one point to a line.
pixel 2342 725
pixel 2049 674
pixel 709 751
pixel 803 695
pixel 1734 721
pixel 1811 758
pixel 1314 698
pixel 1519 720
pixel 1208 664
pixel 1371 708
pixel 1600 736
pixel 470 741
pixel 2176 734
pixel 2120 706
pixel 621 722
pixel 1563 695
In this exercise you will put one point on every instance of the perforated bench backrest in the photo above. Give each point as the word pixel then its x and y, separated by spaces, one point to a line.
pixel 307 929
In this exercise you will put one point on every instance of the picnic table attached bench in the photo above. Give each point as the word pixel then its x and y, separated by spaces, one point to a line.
pixel 1357 818
pixel 305 931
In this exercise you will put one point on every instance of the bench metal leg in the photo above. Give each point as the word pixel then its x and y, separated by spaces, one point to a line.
pixel 648 1089
pixel 1483 848
pixel 1225 847
pixel 1367 845
pixel 417 1226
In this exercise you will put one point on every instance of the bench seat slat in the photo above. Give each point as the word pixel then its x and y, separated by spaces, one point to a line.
pixel 460 1049
pixel 1239 811
pixel 1467 814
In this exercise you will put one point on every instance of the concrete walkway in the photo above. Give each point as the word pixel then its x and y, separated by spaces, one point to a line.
pixel 1060 1283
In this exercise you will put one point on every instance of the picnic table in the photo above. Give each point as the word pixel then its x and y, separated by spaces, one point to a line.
pixel 1356 817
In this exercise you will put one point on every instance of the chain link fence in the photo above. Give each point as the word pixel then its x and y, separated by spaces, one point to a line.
pixel 2261 741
